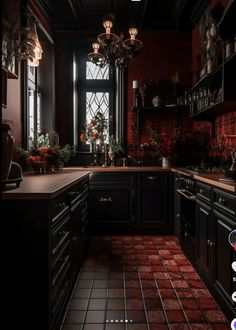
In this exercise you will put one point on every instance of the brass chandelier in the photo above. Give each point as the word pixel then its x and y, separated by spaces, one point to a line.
pixel 115 51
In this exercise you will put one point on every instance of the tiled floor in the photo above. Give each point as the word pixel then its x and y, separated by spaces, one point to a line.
pixel 139 283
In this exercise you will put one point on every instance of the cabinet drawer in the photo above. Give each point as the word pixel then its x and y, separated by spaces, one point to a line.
pixel 59 295
pixel 60 236
pixel 59 207
pixel 78 191
pixel 225 202
pixel 110 178
pixel 153 178
pixel 60 266
pixel 204 192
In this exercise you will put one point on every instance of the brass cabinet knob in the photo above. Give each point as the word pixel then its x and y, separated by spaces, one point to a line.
pixel 152 178
pixel 221 200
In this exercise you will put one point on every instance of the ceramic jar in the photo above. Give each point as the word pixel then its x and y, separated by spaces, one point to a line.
pixel 165 162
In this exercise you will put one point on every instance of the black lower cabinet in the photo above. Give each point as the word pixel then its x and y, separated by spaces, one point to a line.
pixel 129 202
pixel 215 218
pixel 223 256
pixel 43 255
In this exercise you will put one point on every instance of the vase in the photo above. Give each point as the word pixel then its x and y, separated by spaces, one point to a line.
pixel 8 143
pixel 165 162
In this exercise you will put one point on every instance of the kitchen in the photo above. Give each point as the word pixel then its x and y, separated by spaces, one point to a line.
pixel 120 192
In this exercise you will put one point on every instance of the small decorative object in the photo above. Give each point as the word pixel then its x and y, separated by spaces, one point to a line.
pixel 165 162
pixel 156 101
pixel 111 155
pixel 137 99
pixel 229 47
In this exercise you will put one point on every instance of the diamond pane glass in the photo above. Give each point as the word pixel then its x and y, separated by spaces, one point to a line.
pixel 95 72
pixel 97 102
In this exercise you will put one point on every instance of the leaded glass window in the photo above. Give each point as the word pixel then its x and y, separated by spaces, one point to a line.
pixel 96 91
pixel 95 72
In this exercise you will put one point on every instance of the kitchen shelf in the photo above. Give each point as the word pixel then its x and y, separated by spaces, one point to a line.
pixel 214 94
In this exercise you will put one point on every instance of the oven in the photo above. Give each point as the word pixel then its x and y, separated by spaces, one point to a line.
pixel 185 222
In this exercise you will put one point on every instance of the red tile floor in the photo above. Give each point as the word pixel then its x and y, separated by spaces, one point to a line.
pixel 139 283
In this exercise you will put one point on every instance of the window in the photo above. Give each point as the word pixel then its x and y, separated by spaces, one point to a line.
pixel 33 106
pixel 95 88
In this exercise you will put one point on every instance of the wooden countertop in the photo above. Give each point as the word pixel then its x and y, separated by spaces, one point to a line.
pixel 49 186
pixel 120 169
pixel 44 186
pixel 211 179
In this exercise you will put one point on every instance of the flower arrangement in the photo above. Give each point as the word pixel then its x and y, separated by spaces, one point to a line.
pixel 95 131
pixel 43 158
pixel 179 145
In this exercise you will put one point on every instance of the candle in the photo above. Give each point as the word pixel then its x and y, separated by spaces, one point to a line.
pixel 135 84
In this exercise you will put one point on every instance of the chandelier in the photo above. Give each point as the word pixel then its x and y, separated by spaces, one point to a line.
pixel 20 43
pixel 114 49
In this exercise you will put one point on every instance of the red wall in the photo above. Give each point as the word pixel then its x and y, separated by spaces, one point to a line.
pixel 225 124
pixel 163 53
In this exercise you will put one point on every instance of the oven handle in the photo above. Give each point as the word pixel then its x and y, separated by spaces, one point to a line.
pixel 183 192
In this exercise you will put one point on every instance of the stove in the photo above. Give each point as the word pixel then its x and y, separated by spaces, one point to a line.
pixel 197 169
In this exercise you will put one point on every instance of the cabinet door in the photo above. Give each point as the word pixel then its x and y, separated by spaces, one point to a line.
pixel 224 255
pixel 203 237
pixel 153 205
pixel 110 204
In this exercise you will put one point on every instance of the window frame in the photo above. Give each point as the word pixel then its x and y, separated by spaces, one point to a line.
pixel 83 85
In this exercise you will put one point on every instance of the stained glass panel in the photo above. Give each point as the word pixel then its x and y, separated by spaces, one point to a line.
pixel 97 102
pixel 95 72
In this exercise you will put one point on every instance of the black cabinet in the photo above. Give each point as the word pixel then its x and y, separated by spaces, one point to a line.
pixel 44 253
pixel 215 216
pixel 111 199
pixel 152 199
pixel 129 201
pixel 224 255
pixel 78 201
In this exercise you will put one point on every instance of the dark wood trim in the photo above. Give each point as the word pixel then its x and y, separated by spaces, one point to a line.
pixel 24 117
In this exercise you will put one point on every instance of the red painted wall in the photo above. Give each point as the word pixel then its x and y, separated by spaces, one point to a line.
pixel 225 124
pixel 164 53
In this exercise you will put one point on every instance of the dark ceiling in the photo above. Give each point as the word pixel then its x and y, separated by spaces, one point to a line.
pixel 146 14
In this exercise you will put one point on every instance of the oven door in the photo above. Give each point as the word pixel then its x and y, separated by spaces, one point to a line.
pixel 187 220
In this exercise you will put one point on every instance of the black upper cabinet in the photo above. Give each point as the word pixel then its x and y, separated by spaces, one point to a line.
pixel 227 26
